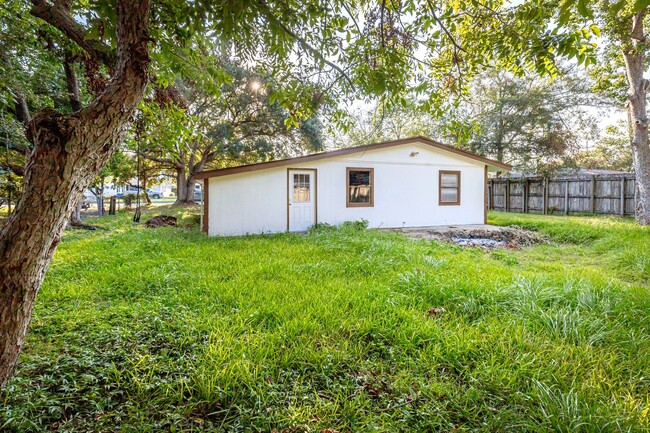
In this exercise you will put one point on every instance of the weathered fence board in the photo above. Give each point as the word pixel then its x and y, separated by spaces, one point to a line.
pixel 604 194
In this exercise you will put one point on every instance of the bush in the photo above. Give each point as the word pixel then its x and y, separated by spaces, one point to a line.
pixel 362 224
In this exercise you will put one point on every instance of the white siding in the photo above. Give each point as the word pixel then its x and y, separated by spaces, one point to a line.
pixel 248 203
pixel 406 192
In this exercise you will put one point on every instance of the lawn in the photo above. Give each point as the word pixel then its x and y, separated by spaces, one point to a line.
pixel 165 329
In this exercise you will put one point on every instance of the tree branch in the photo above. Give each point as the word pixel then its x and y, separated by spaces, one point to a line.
pixel 637 26
pixel 457 46
pixel 57 16
pixel 14 146
pixel 381 15
pixel 156 158
pixel 18 170
pixel 71 83
pixel 305 45
pixel 22 109
pixel 115 105
pixel 345 5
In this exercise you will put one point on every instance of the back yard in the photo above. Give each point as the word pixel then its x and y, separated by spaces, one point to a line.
pixel 339 330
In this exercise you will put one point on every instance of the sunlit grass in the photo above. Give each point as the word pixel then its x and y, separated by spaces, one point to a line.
pixel 141 329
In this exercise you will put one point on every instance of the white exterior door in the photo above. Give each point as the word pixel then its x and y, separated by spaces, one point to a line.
pixel 302 199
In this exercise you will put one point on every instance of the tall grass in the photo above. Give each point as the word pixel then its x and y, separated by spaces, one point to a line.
pixel 164 329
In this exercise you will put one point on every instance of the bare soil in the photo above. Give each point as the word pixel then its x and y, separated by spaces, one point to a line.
pixel 161 221
pixel 482 236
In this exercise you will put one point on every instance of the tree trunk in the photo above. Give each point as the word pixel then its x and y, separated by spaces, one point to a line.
pixel 75 218
pixel 75 215
pixel 99 197
pixel 634 56
pixel 100 204
pixel 184 188
pixel 69 151
pixel 145 194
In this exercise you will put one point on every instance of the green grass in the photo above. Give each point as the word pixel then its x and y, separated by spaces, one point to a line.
pixel 166 200
pixel 165 329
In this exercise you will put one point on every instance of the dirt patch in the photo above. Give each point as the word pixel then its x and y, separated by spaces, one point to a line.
pixel 161 221
pixel 481 236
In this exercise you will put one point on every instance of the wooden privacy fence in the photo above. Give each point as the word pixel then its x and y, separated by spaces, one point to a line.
pixel 601 194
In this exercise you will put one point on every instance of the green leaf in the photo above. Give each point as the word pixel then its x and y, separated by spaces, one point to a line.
pixel 595 29
pixel 640 4
pixel 616 7
pixel 565 11
pixel 584 10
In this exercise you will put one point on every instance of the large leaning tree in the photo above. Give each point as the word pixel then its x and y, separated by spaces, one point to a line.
pixel 68 151
pixel 385 49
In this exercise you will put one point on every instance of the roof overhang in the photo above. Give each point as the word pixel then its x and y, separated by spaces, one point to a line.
pixel 490 163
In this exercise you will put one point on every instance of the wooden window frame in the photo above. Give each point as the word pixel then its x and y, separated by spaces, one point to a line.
pixel 347 187
pixel 448 203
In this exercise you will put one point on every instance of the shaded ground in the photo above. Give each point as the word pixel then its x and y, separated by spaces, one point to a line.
pixel 479 235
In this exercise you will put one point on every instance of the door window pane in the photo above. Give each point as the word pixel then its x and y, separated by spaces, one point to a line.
pixel 301 188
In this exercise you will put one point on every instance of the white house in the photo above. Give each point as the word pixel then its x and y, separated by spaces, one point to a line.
pixel 412 182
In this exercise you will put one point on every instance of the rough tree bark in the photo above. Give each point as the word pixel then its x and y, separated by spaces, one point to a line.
pixel 184 187
pixel 98 191
pixel 145 195
pixel 75 215
pixel 185 172
pixel 185 182
pixel 71 83
pixel 69 151
pixel 74 220
pixel 634 56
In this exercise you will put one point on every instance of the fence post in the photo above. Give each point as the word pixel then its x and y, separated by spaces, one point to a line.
pixel 525 194
pixel 491 194
pixel 545 187
pixel 566 197
pixel 507 192
pixel 111 206
pixel 593 194
pixel 623 196
pixel 636 193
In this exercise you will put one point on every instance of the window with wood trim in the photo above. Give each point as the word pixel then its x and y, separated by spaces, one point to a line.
pixel 360 185
pixel 449 188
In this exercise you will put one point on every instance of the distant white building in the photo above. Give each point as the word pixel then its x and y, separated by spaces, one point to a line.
pixel 403 183
pixel 162 188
